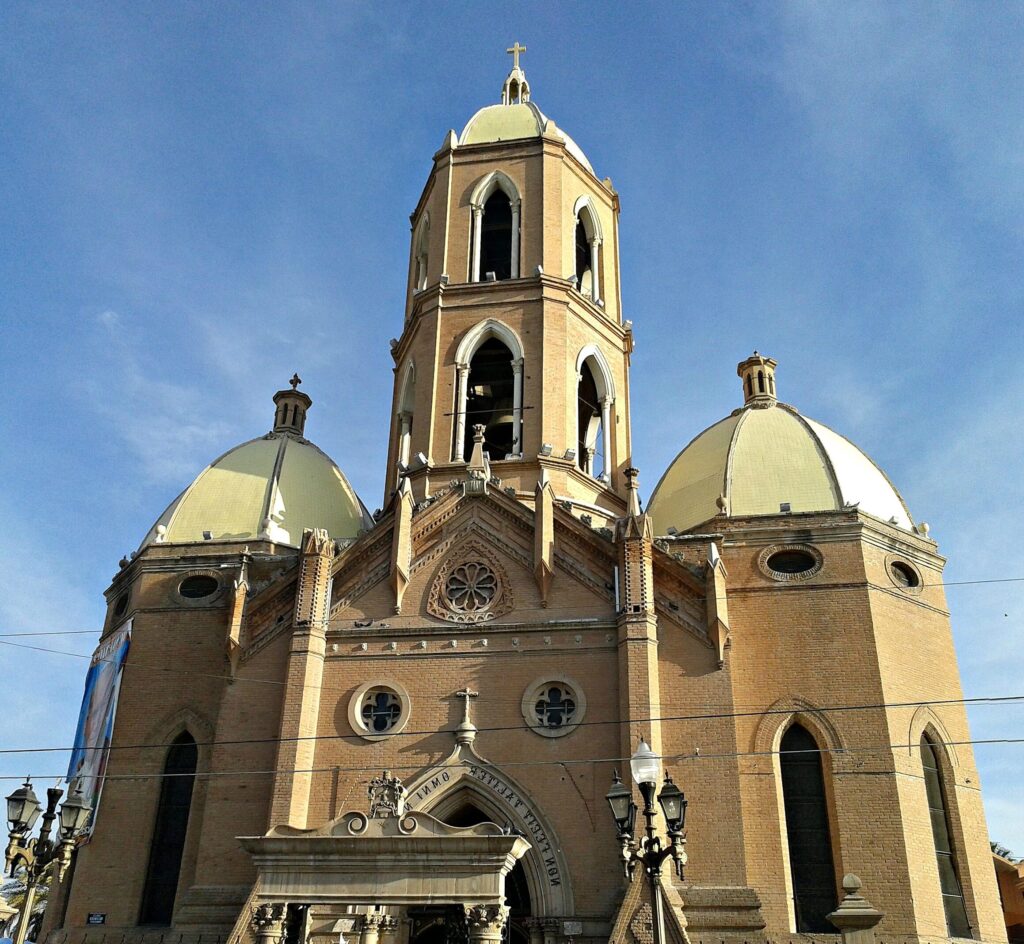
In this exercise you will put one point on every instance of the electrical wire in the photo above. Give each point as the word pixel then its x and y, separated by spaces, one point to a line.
pixel 715 716
pixel 692 757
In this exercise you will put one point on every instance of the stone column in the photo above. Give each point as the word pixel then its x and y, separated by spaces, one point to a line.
pixel 268 923
pixel 595 272
pixel 606 433
pixel 485 923
pixel 474 265
pixel 515 238
pixel 462 374
pixel 370 927
pixel 404 436
pixel 855 917
pixel 517 406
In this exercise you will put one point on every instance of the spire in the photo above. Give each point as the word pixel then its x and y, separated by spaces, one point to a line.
pixel 292 405
pixel 758 373
pixel 516 90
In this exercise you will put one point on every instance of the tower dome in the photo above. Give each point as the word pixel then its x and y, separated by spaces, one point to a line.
pixel 767 459
pixel 516 117
pixel 270 489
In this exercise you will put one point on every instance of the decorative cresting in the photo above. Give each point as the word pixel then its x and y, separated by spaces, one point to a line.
pixel 470 587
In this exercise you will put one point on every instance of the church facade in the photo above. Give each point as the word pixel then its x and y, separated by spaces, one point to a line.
pixel 503 633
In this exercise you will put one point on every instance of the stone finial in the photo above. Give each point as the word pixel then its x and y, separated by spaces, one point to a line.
pixel 291 408
pixel 633 486
pixel 855 917
pixel 758 374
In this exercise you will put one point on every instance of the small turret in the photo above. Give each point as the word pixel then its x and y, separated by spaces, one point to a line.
pixel 758 374
pixel 516 90
pixel 292 406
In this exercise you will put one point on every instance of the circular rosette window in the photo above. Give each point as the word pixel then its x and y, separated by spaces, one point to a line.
pixel 470 588
pixel 378 710
pixel 554 706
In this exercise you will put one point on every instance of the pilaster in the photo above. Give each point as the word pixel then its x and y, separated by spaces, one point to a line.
pixel 301 709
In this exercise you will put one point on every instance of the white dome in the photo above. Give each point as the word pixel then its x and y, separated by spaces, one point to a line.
pixel 513 122
pixel 764 456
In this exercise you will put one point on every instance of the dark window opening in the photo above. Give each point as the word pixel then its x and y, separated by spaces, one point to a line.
pixel 760 382
pixel 591 445
pixel 949 880
pixel 584 275
pixel 121 606
pixel 489 400
pixel 747 383
pixel 199 586
pixel 168 841
pixel 807 830
pixel 791 562
pixel 496 237
pixel 904 574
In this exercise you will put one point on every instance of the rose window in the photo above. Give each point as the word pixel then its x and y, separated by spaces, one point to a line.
pixel 471 587
pixel 381 710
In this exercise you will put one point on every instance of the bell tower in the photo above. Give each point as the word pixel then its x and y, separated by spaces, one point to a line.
pixel 513 318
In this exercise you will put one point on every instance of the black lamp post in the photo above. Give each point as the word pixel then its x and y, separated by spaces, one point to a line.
pixel 645 766
pixel 36 854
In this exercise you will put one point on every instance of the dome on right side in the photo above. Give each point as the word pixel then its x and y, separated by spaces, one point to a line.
pixel 767 459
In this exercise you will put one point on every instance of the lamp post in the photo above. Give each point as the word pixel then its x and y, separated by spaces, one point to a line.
pixel 645 766
pixel 36 854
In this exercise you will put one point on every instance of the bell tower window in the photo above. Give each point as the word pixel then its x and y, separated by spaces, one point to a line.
pixel 594 399
pixel 588 250
pixel 496 237
pixel 490 401
pixel 421 254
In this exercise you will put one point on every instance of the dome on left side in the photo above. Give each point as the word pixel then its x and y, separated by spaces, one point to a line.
pixel 268 489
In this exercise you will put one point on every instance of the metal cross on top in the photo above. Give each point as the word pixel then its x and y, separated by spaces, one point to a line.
pixel 295 381
pixel 514 51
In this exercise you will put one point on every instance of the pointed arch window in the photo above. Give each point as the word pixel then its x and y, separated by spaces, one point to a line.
pixel 421 254
pixel 588 251
pixel 808 835
pixel 168 843
pixel 945 855
pixel 406 414
pixel 495 202
pixel 489 391
pixel 594 398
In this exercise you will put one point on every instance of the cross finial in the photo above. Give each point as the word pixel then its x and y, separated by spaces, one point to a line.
pixel 295 381
pixel 466 694
pixel 514 52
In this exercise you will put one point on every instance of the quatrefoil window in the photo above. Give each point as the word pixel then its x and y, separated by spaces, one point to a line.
pixel 381 710
pixel 471 587
pixel 553 706
pixel 556 707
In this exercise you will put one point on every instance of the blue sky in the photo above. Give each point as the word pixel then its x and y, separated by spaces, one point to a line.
pixel 197 200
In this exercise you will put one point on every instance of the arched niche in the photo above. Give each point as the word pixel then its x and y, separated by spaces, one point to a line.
pixel 449 787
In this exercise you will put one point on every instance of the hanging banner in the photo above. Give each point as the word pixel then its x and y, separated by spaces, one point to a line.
pixel 96 719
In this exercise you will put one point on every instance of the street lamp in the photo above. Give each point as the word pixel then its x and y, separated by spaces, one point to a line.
pixel 645 766
pixel 36 854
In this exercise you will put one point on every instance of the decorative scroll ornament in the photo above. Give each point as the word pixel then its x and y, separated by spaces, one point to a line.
pixel 387 796
pixel 470 587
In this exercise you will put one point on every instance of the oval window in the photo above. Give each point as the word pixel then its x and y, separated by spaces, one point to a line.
pixel 792 562
pixel 904 574
pixel 199 586
pixel 121 606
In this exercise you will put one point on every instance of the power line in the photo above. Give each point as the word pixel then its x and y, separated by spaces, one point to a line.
pixel 716 716
pixel 563 762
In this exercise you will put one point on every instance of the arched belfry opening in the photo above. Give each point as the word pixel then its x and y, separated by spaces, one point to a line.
pixel 496 237
pixel 445 924
pixel 406 414
pixel 587 242
pixel 421 253
pixel 490 401
pixel 593 414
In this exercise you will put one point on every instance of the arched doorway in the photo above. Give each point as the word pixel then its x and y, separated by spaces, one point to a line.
pixel 446 924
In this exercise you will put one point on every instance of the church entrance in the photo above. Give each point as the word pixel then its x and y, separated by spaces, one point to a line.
pixel 446 924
